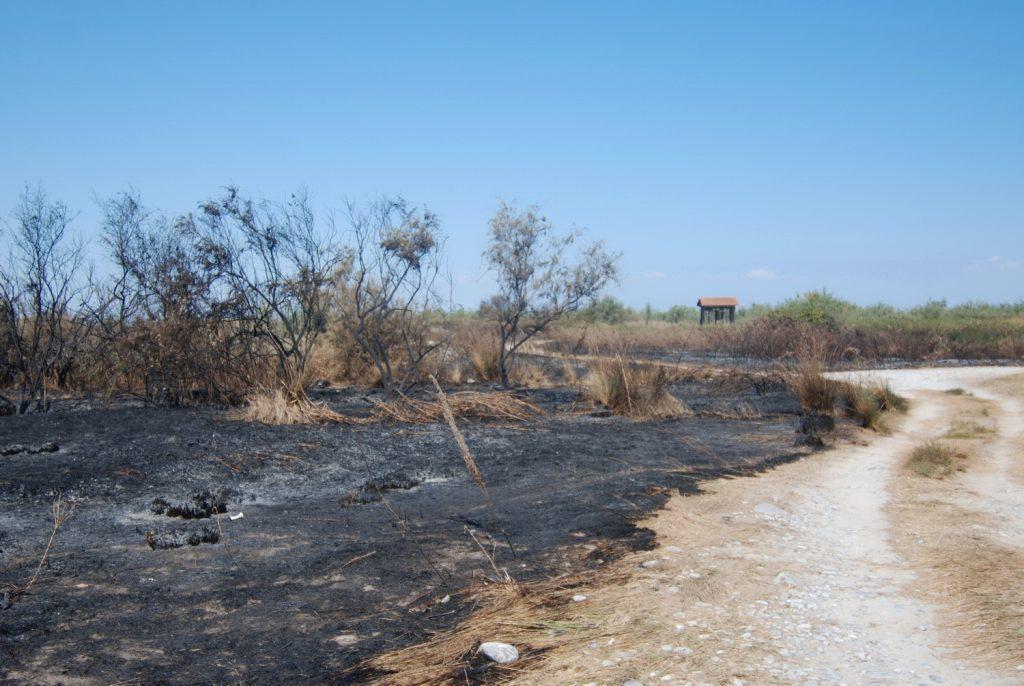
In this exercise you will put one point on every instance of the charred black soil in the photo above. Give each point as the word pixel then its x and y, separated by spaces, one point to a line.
pixel 207 550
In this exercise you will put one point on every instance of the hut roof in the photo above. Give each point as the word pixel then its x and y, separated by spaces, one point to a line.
pixel 718 302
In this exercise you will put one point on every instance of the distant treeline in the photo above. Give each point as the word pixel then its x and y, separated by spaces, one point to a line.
pixel 820 307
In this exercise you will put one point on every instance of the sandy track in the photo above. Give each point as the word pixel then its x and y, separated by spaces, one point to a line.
pixel 802 575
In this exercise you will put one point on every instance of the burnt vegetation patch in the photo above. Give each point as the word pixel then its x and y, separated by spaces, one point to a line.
pixel 373 490
pixel 18 448
pixel 178 538
pixel 200 505
pixel 566 492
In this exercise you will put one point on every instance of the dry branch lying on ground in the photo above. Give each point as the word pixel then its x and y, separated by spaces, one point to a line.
pixel 460 440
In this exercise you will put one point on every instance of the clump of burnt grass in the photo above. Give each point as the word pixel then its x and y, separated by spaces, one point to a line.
pixel 640 391
pixel 935 461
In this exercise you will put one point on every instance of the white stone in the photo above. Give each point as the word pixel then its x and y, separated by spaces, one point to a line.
pixel 502 653
pixel 770 510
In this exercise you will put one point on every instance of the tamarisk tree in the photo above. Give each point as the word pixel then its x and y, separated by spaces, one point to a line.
pixel 541 277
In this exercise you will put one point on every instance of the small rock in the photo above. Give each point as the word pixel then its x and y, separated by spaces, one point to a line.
pixel 632 682
pixel 770 510
pixel 502 653
pixel 579 598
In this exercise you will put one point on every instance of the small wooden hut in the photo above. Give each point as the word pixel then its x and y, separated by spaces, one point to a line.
pixel 717 309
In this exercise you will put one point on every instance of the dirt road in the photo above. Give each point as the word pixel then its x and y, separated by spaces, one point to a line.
pixel 844 568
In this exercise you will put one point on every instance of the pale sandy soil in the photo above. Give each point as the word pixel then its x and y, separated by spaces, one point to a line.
pixel 842 568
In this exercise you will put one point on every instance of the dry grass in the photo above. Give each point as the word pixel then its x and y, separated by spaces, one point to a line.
pixel 935 461
pixel 982 580
pixel 636 390
pixel 869 404
pixel 529 375
pixel 888 400
pixel 960 560
pixel 279 407
pixel 465 404
pixel 969 430
pixel 534 617
pixel 477 346
pixel 816 393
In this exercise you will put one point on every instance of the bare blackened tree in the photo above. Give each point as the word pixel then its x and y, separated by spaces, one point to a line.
pixel 39 288
pixel 387 291
pixel 277 266
pixel 538 282
pixel 159 317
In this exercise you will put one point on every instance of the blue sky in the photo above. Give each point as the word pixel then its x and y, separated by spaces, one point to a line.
pixel 759 149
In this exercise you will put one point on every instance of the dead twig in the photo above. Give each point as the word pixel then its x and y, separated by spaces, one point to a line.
pixel 60 516
pixel 358 558
pixel 490 558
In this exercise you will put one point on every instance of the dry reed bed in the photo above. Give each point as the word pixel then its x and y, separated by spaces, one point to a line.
pixel 960 564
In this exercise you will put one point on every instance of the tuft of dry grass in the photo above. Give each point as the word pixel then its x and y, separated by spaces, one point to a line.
pixel 636 390
pixel 935 461
pixel 278 407
pixel 888 400
pixel 965 429
pixel 480 348
pixel 816 393
pixel 868 404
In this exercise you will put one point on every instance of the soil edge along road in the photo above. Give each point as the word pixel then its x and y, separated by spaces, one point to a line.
pixel 847 567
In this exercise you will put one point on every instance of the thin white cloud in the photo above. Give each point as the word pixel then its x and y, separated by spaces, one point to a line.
pixel 761 273
pixel 1003 264
pixel 655 275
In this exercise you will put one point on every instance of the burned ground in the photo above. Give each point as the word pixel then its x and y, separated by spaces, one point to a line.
pixel 350 539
